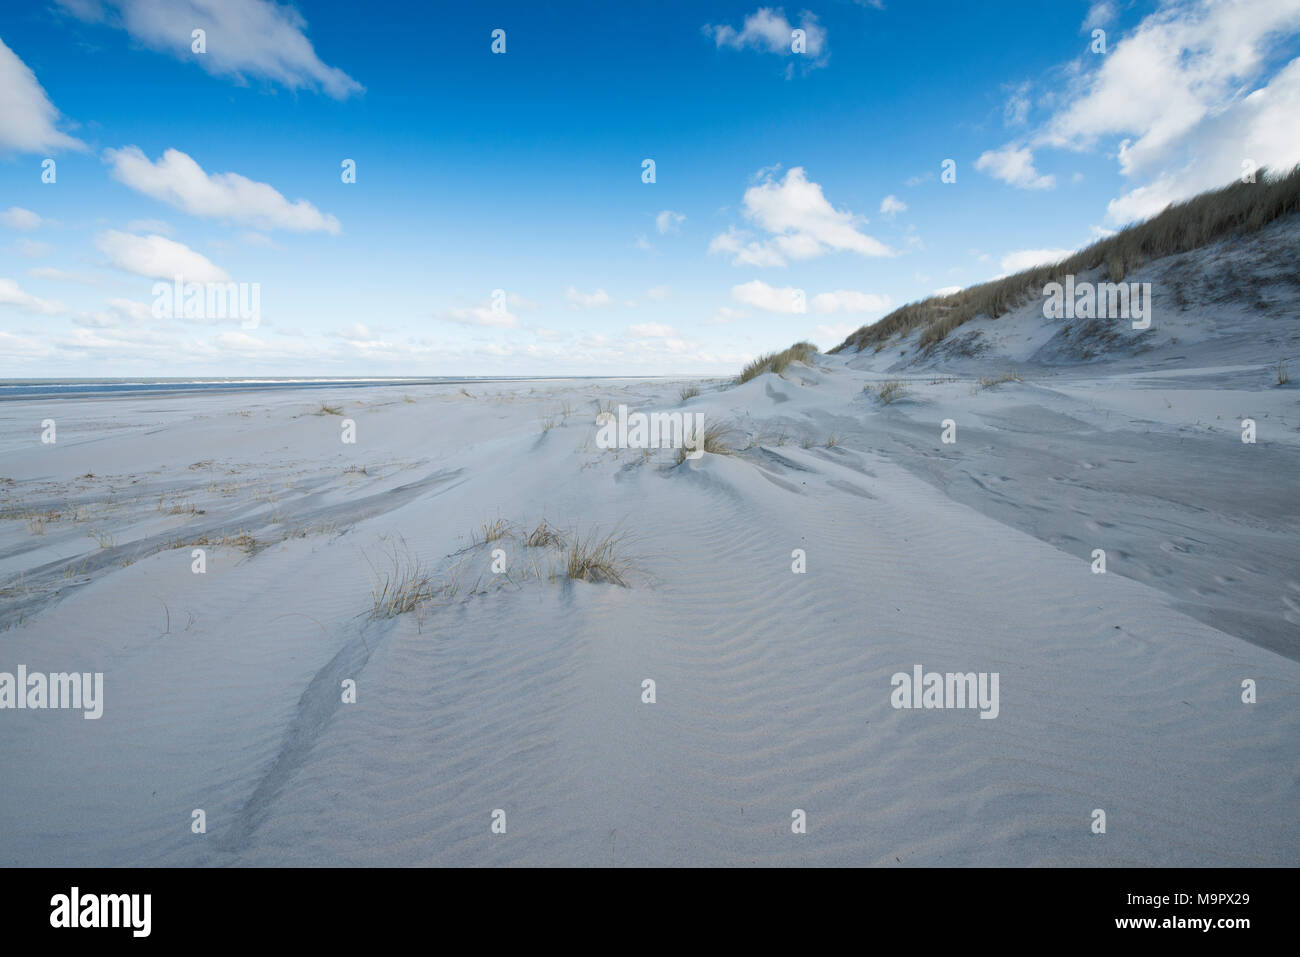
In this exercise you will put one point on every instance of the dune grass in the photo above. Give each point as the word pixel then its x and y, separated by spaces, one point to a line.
pixel 778 361
pixel 543 536
pixel 689 392
pixel 1283 377
pixel 715 440
pixel 989 381
pixel 593 558
pixel 1236 209
pixel 400 584
pixel 890 391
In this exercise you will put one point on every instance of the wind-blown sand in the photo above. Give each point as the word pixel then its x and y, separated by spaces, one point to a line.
pixel 1119 691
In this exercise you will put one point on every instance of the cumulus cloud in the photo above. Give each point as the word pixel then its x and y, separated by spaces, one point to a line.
pixel 849 300
pixel 492 313
pixel 768 298
pixel 27 117
pixel 157 257
pixel 176 179
pixel 768 31
pixel 583 300
pixel 1100 14
pixel 891 205
pixel 1183 100
pixel 245 38
pixel 669 221
pixel 1013 165
pixel 800 223
pixel 12 295
pixel 15 217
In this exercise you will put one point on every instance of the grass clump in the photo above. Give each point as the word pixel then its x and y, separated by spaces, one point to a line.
pixel 543 536
pixel 988 381
pixel 400 584
pixel 778 361
pixel 593 558
pixel 891 391
pixel 716 439
pixel 1283 377
pixel 689 392
pixel 492 531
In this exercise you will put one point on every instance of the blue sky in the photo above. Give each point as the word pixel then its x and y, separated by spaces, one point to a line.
pixel 776 171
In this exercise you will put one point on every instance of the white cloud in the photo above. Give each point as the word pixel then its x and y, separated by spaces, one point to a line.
pixel 769 31
pixel 1023 259
pixel 27 117
pixel 1099 15
pixel 947 291
pixel 1184 98
pixel 891 205
pixel 1016 111
pixel 60 275
pixel 487 314
pixel 15 217
pixel 849 300
pixel 582 300
pixel 119 310
pixel 12 295
pixel 800 220
pixel 244 38
pixel 652 330
pixel 156 257
pixel 176 179
pixel 1014 165
pixel 669 221
pixel 658 293
pixel 768 298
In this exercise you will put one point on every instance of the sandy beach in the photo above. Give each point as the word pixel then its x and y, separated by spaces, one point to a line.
pixel 522 691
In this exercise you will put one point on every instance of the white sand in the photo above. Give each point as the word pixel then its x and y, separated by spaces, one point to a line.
pixel 1119 691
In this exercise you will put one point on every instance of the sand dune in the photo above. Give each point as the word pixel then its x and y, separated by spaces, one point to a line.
pixel 523 691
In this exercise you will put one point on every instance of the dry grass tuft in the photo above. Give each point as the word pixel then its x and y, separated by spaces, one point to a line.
pixel 400 584
pixel 1282 376
pixel 491 531
pixel 688 392
pixel 543 536
pixel 891 391
pixel 989 381
pixel 595 559
pixel 778 361
pixel 715 440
